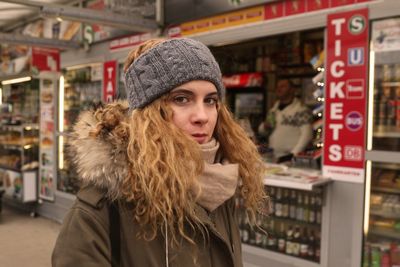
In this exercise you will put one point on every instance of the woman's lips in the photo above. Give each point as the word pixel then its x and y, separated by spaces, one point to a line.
pixel 200 138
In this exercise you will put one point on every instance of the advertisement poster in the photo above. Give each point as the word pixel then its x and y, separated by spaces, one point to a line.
pixel 47 124
pixel 346 95
pixel 12 183
pixel 45 59
pixel 386 35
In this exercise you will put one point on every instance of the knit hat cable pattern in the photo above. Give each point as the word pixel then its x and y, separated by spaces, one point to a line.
pixel 168 65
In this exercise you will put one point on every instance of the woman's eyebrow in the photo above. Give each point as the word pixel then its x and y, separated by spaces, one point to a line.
pixel 182 90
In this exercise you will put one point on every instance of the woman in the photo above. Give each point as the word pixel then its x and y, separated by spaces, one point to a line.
pixel 171 162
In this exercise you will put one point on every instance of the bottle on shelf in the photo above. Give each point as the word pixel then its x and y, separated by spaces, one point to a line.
pixel 278 203
pixel 299 207
pixel 282 238
pixel 272 200
pixel 272 240
pixel 258 233
pixel 292 205
pixel 318 209
pixel 285 203
pixel 304 244
pixel 296 241
pixel 289 240
pixel 306 208
pixel 311 245
pixel 318 247
pixel 312 212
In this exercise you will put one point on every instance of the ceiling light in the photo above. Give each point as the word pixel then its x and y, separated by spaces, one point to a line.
pixel 17 80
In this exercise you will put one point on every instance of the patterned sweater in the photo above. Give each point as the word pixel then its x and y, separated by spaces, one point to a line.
pixel 292 130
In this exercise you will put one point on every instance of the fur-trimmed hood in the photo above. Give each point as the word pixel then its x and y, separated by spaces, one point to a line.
pixel 98 145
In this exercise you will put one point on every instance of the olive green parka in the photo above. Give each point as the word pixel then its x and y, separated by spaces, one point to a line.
pixel 84 237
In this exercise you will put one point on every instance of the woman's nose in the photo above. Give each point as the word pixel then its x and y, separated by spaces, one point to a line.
pixel 200 115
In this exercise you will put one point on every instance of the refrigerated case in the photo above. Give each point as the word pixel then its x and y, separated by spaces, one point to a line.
pixel 82 91
pixel 246 98
pixel 19 137
pixel 382 205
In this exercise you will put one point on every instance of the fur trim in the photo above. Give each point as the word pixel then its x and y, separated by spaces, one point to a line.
pixel 98 149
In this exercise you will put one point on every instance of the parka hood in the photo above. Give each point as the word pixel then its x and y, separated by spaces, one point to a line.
pixel 97 147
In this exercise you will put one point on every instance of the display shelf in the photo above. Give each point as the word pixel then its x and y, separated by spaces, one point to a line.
pixel 294 221
pixel 4 167
pixel 385 189
pixel 389 166
pixel 384 233
pixel 12 147
pixel 286 259
pixel 295 178
pixel 383 214
pixel 388 131
pixel 18 128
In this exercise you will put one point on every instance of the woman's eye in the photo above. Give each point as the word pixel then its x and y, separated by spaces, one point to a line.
pixel 211 101
pixel 181 99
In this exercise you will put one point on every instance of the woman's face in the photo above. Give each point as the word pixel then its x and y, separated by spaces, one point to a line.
pixel 194 106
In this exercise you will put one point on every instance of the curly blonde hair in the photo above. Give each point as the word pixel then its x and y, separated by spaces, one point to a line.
pixel 165 164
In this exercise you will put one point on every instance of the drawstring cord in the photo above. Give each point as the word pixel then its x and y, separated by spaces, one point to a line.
pixel 166 245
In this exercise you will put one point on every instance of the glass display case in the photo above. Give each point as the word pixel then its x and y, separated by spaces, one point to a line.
pixel 382 193
pixel 294 224
pixel 82 91
pixel 19 138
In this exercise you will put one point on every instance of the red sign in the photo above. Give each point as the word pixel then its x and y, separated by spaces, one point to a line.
pixel 273 10
pixel 109 80
pixel 46 59
pixel 243 80
pixel 346 91
pixel 293 7
pixel 335 3
pixel 313 5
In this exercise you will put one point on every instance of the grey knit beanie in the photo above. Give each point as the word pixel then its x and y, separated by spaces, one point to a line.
pixel 168 65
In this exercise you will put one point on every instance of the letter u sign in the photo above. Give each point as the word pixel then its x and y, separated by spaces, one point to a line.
pixel 355 56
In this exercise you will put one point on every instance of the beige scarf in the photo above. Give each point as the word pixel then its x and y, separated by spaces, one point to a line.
pixel 218 181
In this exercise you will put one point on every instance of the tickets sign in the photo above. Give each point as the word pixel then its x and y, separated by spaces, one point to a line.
pixel 346 95
pixel 109 80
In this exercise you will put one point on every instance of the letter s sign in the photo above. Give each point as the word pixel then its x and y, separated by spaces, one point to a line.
pixel 357 24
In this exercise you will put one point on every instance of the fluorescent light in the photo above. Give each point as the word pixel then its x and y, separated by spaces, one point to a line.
pixel 1 96
pixel 61 124
pixel 61 152
pixel 17 80
pixel 61 106
pixel 367 196
pixel 370 125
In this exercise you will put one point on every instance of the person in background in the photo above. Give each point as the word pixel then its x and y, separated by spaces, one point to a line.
pixel 162 172
pixel 289 122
